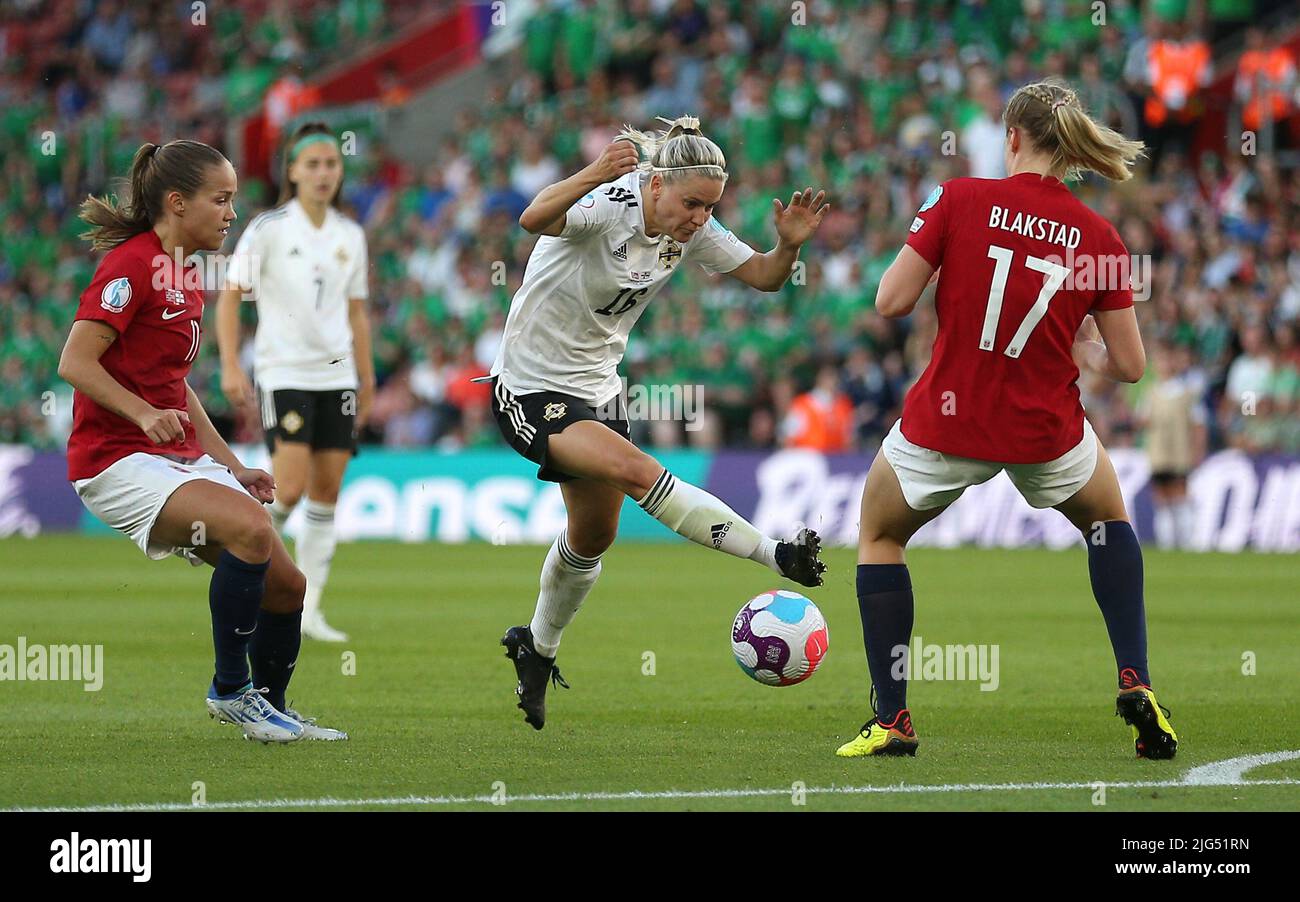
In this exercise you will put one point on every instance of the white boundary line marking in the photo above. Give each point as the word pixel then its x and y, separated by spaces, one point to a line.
pixel 1228 773
pixel 1218 773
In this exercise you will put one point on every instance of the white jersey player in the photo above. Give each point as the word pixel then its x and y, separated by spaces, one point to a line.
pixel 612 235
pixel 306 265
pixel 556 337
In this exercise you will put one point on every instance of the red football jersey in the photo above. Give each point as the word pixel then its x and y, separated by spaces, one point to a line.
pixel 1021 262
pixel 156 311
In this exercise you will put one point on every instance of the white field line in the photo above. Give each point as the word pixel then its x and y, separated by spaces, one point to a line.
pixel 1220 773
pixel 1228 773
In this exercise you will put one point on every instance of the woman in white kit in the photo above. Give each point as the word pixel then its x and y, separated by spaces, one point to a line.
pixel 305 264
pixel 612 235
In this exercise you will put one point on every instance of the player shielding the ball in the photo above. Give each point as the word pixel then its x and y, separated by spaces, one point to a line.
pixel 613 234
pixel 143 455
pixel 1016 310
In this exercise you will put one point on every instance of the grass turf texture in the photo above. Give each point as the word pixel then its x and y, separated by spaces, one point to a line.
pixel 431 705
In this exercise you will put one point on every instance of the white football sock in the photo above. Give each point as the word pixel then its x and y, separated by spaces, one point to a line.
pixel 567 577
pixel 280 515
pixel 1165 526
pixel 1184 522
pixel 694 514
pixel 315 551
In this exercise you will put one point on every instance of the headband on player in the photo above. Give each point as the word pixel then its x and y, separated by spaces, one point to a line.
pixel 307 140
pixel 677 168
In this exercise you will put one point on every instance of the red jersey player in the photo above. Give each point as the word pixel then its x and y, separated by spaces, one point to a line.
pixel 143 455
pixel 1028 279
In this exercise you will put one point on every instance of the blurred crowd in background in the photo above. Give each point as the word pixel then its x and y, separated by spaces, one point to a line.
pixel 876 103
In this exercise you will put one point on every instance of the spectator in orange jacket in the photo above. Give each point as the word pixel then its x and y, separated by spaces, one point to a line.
pixel 1266 78
pixel 1178 68
pixel 821 419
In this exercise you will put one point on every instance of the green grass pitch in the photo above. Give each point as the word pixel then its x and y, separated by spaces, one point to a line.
pixel 431 707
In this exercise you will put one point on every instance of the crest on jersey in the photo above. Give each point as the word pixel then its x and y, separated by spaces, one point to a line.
pixel 670 253
pixel 932 199
pixel 174 296
pixel 291 422
pixel 555 411
pixel 116 295
pixel 342 256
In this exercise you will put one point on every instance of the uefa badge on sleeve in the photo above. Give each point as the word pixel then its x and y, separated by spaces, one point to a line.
pixel 116 295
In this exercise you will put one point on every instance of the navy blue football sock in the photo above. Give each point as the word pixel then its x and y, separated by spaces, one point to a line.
pixel 234 596
pixel 1115 566
pixel 885 603
pixel 273 653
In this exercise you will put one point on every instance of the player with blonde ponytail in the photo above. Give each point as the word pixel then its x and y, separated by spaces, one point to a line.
pixel 1050 116
pixel 1022 308
pixel 611 236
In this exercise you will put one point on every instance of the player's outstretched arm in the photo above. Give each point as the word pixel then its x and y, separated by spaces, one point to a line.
pixel 1110 343
pixel 902 284
pixel 795 224
pixel 545 215
pixel 79 366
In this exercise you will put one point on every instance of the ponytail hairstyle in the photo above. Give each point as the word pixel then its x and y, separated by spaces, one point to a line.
pixel 678 153
pixel 1050 115
pixel 156 169
pixel 291 149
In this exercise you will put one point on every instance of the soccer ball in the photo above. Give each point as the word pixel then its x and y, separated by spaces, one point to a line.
pixel 779 638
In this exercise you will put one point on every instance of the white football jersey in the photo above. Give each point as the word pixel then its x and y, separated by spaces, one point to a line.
pixel 302 278
pixel 585 289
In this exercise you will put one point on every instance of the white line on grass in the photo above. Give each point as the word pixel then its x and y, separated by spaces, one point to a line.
pixel 1228 773
pixel 1222 773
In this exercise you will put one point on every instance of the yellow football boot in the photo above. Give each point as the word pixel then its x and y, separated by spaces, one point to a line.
pixel 876 738
pixel 1153 735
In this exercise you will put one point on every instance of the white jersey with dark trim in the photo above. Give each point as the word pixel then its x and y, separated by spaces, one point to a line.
pixel 303 278
pixel 584 290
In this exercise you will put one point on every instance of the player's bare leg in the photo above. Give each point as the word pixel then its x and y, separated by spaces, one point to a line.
pixel 317 541
pixel 1115 567
pixel 887 523
pixel 571 568
pixel 289 464
pixel 230 530
pixel 589 450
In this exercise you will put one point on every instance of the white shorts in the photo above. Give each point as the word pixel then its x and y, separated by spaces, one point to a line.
pixel 930 479
pixel 130 494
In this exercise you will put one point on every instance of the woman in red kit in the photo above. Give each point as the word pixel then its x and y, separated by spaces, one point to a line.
pixel 143 455
pixel 1032 286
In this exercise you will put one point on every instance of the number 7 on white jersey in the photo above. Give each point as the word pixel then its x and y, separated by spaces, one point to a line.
pixel 1002 257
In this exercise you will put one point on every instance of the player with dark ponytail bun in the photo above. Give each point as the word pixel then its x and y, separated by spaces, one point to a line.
pixel 143 455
